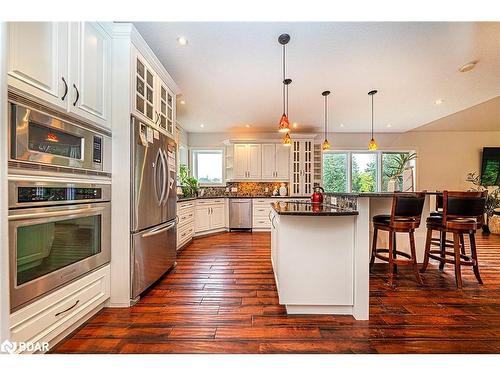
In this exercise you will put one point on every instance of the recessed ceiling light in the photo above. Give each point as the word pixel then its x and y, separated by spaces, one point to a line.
pixel 247 125
pixel 341 125
pixel 202 125
pixel 182 102
pixel 439 101
pixel 295 124
pixel 468 67
pixel 182 40
pixel 389 125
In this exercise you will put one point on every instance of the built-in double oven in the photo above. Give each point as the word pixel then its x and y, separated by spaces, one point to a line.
pixel 58 231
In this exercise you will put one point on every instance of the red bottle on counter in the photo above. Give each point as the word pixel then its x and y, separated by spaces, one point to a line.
pixel 317 196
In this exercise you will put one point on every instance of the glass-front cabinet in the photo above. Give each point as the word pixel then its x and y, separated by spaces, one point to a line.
pixel 153 100
pixel 144 90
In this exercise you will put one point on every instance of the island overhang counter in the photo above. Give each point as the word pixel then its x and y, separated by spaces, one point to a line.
pixel 320 259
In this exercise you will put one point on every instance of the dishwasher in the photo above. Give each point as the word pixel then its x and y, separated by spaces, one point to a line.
pixel 240 213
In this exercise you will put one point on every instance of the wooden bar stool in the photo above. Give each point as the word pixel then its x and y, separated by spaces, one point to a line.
pixel 463 213
pixel 405 217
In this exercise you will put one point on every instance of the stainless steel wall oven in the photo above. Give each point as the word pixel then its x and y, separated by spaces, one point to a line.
pixel 43 138
pixel 58 231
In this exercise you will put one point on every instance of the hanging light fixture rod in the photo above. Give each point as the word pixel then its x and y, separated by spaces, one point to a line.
pixel 284 124
pixel 326 145
pixel 372 146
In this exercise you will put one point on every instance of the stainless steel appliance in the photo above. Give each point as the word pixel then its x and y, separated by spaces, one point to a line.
pixel 42 138
pixel 58 231
pixel 154 205
pixel 240 213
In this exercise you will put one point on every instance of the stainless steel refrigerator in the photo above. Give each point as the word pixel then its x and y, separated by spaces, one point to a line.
pixel 154 204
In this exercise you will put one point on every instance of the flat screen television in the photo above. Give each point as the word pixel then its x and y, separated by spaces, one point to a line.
pixel 490 170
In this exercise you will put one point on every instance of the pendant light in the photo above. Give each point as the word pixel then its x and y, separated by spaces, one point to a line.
pixel 287 141
pixel 372 146
pixel 284 125
pixel 326 145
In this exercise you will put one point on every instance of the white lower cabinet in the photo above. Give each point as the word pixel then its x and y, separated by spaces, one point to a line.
pixel 185 225
pixel 54 316
pixel 261 211
pixel 209 215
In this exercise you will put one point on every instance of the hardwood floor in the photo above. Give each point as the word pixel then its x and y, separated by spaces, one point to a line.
pixel 222 298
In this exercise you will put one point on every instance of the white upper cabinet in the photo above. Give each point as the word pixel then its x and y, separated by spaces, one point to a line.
pixel 38 60
pixel 282 162
pixel 275 162
pixel 166 107
pixel 90 65
pixel 268 161
pixel 301 165
pixel 247 163
pixel 63 64
pixel 154 101
pixel 145 97
pixel 254 162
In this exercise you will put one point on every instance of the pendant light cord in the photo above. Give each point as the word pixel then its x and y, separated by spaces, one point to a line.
pixel 284 72
pixel 372 116
pixel 326 113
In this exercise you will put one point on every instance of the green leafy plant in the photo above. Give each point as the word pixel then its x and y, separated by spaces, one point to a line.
pixel 399 163
pixel 493 198
pixel 189 184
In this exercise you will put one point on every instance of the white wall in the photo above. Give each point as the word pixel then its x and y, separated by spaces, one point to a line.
pixel 444 158
pixel 4 242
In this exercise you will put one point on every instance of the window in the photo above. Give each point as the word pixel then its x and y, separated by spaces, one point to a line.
pixel 393 166
pixel 207 166
pixel 361 171
pixel 335 172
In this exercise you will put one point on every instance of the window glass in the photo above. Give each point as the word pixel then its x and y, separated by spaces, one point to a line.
pixel 393 165
pixel 207 166
pixel 335 172
pixel 363 172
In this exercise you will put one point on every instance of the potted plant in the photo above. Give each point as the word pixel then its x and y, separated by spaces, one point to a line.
pixel 189 184
pixel 398 164
pixel 492 199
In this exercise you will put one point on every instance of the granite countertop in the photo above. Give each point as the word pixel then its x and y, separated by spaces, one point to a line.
pixel 181 199
pixel 379 194
pixel 311 209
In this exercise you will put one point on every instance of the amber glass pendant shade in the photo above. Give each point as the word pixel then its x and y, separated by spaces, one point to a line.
pixel 287 141
pixel 326 145
pixel 284 126
pixel 372 146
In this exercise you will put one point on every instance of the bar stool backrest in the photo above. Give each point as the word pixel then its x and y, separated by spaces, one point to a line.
pixel 407 207
pixel 464 205
pixel 439 202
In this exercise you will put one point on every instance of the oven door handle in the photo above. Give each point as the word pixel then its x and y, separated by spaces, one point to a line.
pixel 158 231
pixel 44 214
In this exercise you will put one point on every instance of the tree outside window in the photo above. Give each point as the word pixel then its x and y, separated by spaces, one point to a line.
pixel 335 172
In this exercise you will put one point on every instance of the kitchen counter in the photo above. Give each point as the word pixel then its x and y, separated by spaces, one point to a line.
pixel 377 194
pixel 310 209
pixel 319 262
pixel 182 199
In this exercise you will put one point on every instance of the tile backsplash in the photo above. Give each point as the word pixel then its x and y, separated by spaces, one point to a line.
pixel 244 189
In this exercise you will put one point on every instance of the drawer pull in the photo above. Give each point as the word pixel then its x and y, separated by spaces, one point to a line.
pixel 69 308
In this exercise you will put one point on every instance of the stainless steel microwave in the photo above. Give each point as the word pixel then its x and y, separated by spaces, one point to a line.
pixel 40 138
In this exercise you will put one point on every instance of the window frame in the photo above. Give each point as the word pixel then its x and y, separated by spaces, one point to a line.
pixel 193 161
pixel 379 171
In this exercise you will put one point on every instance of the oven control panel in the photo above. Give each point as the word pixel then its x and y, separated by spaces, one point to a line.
pixel 97 150
pixel 56 194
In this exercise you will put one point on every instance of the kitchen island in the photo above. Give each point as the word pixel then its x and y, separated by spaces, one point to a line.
pixel 320 259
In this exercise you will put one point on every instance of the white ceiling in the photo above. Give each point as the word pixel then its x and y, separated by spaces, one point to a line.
pixel 230 73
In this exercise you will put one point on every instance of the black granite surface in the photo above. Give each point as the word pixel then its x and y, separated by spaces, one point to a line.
pixel 379 194
pixel 182 199
pixel 310 209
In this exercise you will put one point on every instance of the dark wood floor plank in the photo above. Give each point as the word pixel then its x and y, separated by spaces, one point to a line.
pixel 222 298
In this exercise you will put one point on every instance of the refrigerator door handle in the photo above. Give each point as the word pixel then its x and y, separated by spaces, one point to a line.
pixel 158 231
pixel 164 177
